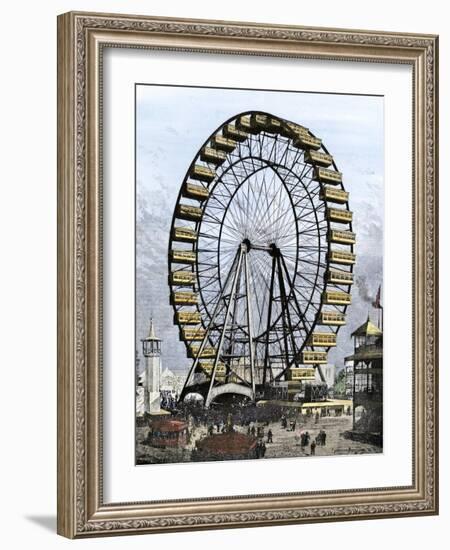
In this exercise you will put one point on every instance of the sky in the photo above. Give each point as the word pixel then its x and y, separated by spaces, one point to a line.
pixel 171 125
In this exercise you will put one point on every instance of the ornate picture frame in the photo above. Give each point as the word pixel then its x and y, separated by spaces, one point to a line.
pixel 82 38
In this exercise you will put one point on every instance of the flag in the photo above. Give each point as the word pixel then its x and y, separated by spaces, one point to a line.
pixel 377 302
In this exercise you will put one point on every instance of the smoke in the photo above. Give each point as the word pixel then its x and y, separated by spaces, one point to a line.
pixel 363 289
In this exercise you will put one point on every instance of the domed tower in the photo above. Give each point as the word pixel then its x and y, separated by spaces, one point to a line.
pixel 151 349
pixel 368 380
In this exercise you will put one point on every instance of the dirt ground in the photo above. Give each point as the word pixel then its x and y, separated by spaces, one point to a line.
pixel 286 443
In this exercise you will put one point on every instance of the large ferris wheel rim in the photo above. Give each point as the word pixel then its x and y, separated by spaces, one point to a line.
pixel 291 134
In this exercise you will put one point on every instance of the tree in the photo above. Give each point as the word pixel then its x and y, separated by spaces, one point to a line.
pixel 339 385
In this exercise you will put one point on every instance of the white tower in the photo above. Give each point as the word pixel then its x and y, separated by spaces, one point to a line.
pixel 151 348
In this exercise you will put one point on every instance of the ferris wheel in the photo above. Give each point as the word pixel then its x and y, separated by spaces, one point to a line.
pixel 261 257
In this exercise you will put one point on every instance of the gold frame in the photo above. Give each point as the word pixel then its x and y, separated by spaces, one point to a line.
pixel 81 37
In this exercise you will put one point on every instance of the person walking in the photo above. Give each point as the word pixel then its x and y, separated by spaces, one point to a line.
pixel 257 450
pixel 307 438
pixel 313 447
pixel 303 442
pixel 269 436
pixel 263 449
pixel 319 438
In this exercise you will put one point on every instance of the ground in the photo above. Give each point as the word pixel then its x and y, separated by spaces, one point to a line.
pixel 285 443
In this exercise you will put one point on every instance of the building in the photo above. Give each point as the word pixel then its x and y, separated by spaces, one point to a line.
pixel 329 374
pixel 171 382
pixel 140 393
pixel 168 432
pixel 367 378
pixel 151 349
pixel 349 364
pixel 225 446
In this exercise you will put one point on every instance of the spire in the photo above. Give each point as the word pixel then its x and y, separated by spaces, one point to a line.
pixel 367 329
pixel 151 332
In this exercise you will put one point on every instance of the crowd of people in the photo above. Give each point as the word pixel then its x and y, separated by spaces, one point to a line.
pixel 305 437
pixel 264 434
pixel 266 438
pixel 169 400
pixel 261 428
